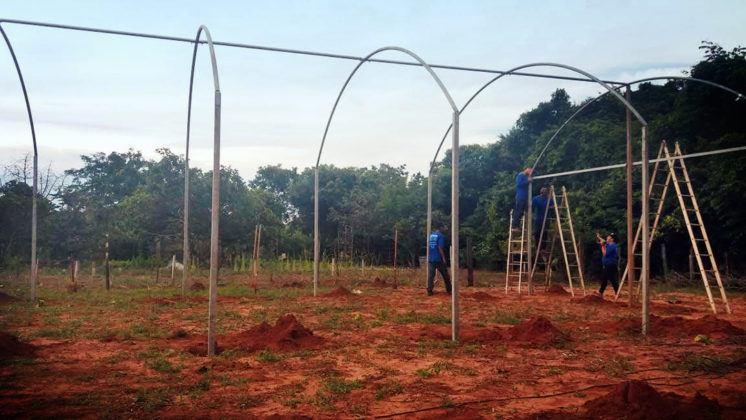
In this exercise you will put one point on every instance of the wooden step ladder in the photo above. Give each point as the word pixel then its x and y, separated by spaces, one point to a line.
pixel 679 177
pixel 517 265
pixel 558 228
pixel 660 180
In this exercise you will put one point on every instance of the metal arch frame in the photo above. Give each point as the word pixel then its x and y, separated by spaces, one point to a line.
pixel 32 280
pixel 739 96
pixel 644 154
pixel 283 50
pixel 454 183
pixel 215 211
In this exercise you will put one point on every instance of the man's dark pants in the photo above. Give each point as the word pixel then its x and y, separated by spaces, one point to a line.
pixel 609 274
pixel 520 208
pixel 440 266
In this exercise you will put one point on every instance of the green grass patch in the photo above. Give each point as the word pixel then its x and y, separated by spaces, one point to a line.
pixel 268 356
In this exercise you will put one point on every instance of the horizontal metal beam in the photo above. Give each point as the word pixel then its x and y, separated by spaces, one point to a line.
pixel 638 163
pixel 293 51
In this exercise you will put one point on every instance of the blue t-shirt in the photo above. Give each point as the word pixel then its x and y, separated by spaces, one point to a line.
pixel 539 204
pixel 436 240
pixel 611 255
pixel 521 186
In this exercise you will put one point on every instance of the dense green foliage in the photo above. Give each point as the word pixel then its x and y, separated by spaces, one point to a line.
pixel 139 202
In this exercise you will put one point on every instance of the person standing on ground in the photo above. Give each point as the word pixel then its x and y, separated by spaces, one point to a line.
pixel 539 204
pixel 609 262
pixel 521 196
pixel 437 260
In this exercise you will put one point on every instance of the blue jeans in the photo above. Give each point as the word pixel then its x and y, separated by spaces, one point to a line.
pixel 520 208
pixel 440 266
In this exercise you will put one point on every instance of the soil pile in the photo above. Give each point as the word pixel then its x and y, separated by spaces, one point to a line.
pixel 378 282
pixel 5 298
pixel 197 285
pixel 538 330
pixel 11 346
pixel 593 299
pixel 286 334
pixel 338 292
pixel 638 400
pixel 556 289
pixel 676 326
pixel 481 296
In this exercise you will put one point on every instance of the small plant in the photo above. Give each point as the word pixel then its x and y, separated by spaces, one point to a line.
pixel 248 401
pixel 388 389
pixel 337 385
pixel 692 362
pixel 268 356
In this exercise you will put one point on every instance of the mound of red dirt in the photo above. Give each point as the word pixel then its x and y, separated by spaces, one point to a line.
pixel 378 282
pixel 556 289
pixel 481 296
pixel 538 330
pixel 5 298
pixel 676 326
pixel 638 400
pixel 197 285
pixel 593 299
pixel 286 334
pixel 11 346
pixel 338 292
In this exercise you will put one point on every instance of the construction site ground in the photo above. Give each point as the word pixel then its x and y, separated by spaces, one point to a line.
pixel 362 349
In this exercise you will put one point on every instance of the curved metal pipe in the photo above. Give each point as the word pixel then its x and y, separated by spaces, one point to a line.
pixel 454 186
pixel 32 281
pixel 215 211
pixel 513 70
pixel 739 95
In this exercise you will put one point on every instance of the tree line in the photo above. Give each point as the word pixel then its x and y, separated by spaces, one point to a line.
pixel 138 202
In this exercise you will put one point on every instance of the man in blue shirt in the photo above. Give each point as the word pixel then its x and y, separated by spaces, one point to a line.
pixel 539 204
pixel 436 245
pixel 609 262
pixel 521 196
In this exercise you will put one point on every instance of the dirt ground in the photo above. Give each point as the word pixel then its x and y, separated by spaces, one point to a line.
pixel 362 349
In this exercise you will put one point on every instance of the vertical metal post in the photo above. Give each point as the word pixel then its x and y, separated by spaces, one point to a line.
pixel 429 220
pixel 185 257
pixel 214 230
pixel 454 227
pixel 34 266
pixel 396 243
pixel 529 241
pixel 316 243
pixel 630 217
pixel 106 264
pixel 645 272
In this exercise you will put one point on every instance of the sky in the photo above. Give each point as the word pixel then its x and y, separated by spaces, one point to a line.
pixel 102 93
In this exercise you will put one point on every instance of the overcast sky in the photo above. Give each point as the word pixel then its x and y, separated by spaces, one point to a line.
pixel 93 92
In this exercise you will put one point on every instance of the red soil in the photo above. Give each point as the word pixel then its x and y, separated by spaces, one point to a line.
pixel 5 298
pixel 593 300
pixel 378 282
pixel 538 330
pixel 480 296
pixel 338 292
pixel 636 400
pixel 294 284
pixel 287 334
pixel 676 326
pixel 10 347
pixel 197 285
pixel 556 289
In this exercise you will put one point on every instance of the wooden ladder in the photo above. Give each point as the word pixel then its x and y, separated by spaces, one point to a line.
pixel 657 190
pixel 517 265
pixel 708 268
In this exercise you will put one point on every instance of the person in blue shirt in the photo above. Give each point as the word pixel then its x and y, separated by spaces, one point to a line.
pixel 539 205
pixel 437 261
pixel 521 196
pixel 609 262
